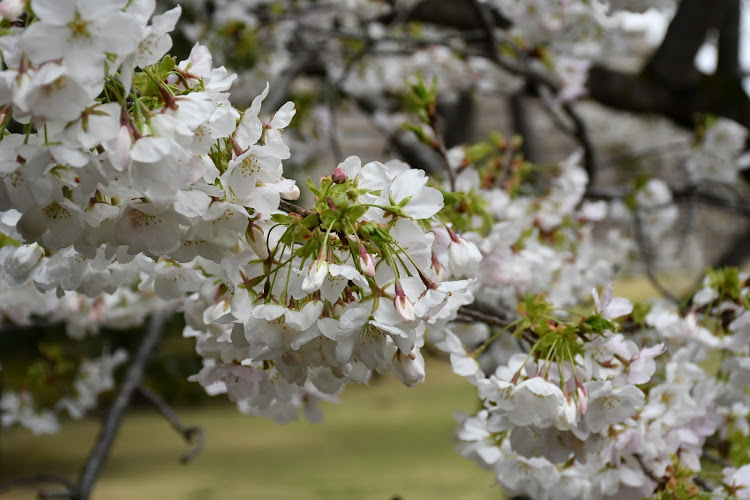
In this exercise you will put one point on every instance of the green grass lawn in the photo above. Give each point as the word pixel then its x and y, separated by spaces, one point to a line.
pixel 382 441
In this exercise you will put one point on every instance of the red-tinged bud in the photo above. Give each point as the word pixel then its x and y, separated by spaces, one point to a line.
pixel 4 113
pixel 366 262
pixel 583 399
pixel 339 175
pixel 403 305
pixel 11 9
pixel 236 147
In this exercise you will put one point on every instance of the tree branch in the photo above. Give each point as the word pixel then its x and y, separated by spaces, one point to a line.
pixel 291 207
pixel 715 94
pixel 692 194
pixel 108 432
pixel 187 433
pixel 729 41
pixel 643 245
pixel 673 62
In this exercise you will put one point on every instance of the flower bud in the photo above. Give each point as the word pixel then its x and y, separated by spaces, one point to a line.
pixel 583 399
pixel 366 262
pixel 257 241
pixel 316 275
pixel 293 194
pixel 339 175
pixel 567 415
pixel 409 368
pixel 11 9
pixel 403 305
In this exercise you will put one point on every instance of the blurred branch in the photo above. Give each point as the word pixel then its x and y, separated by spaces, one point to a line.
pixel 99 452
pixel 522 127
pixel 456 14
pixel 649 473
pixel 736 254
pixel 540 82
pixel 643 246
pixel 714 94
pixel 700 194
pixel 408 146
pixel 187 433
pixel 670 84
pixel 488 319
pixel 673 63
pixel 729 41
pixel 108 432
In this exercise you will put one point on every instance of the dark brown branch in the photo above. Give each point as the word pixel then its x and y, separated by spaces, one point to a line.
pixel 456 14
pixel 291 207
pixel 439 147
pixel 649 473
pixel 581 134
pixel 487 310
pixel 405 143
pixel 736 254
pixel 539 81
pixel 716 94
pixel 522 127
pixel 673 62
pixel 729 41
pixel 189 434
pixel 482 317
pixel 702 484
pixel 108 432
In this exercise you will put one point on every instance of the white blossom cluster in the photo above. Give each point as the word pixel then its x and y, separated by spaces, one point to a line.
pixel 618 417
pixel 136 184
pixel 355 298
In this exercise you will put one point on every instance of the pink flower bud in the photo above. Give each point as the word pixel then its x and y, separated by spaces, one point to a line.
pixel 583 399
pixel 366 262
pixel 339 175
pixel 11 9
pixel 403 305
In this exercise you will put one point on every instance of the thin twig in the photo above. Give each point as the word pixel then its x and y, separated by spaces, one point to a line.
pixel 716 459
pixel 648 471
pixel 702 484
pixel 646 257
pixel 439 146
pixel 187 433
pixel 483 317
pixel 291 207
pixel 108 432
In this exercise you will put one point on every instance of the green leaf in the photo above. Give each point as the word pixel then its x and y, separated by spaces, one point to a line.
pixel 354 213
pixel 284 219
pixel 599 324
pixel 310 221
